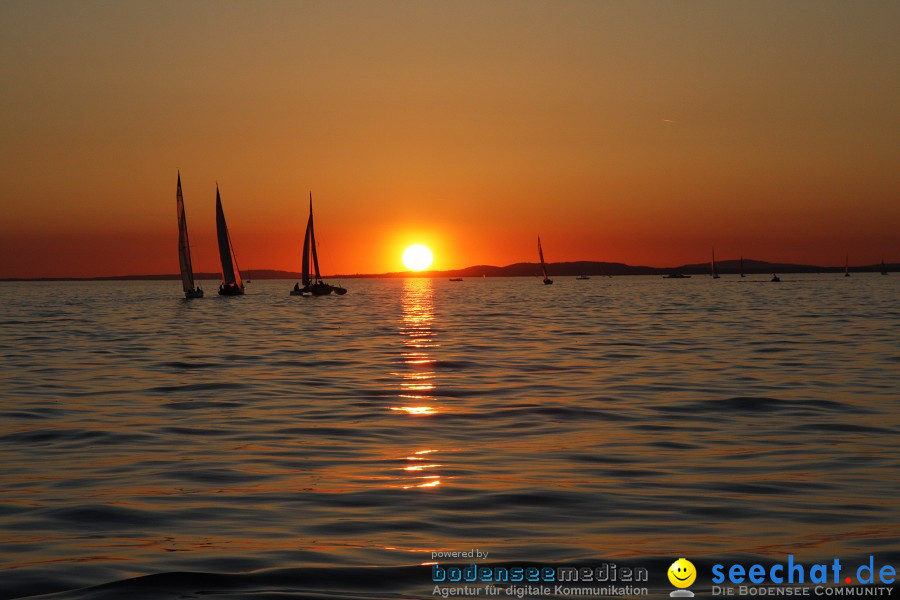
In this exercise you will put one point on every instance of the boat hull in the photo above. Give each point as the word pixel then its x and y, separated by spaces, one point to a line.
pixel 231 290
pixel 194 294
pixel 319 289
pixel 548 282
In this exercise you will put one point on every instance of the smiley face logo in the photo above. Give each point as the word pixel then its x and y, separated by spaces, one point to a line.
pixel 682 573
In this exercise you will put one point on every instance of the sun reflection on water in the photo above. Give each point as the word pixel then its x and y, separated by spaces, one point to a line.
pixel 415 410
pixel 417 377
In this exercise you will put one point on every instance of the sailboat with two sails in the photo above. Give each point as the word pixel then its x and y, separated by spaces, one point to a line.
pixel 313 287
pixel 184 248
pixel 231 285
pixel 547 280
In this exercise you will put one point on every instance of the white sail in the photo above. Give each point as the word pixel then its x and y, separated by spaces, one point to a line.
pixel 312 241
pixel 305 262
pixel 231 273
pixel 541 255
pixel 184 246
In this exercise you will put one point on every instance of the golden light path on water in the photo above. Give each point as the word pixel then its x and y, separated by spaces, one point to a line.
pixel 417 380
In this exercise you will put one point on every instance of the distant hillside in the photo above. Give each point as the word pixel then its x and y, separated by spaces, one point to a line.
pixel 599 269
pixel 761 266
pixel 560 269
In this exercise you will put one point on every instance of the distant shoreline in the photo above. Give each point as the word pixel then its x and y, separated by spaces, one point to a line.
pixel 562 269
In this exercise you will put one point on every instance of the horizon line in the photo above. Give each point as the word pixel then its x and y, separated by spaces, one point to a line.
pixel 649 270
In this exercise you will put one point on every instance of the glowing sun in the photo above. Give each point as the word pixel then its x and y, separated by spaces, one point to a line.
pixel 417 257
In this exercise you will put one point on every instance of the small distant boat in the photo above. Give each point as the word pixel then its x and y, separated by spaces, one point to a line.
pixel 775 278
pixel 312 287
pixel 712 265
pixel 847 266
pixel 742 266
pixel 184 248
pixel 547 280
pixel 676 276
pixel 582 277
pixel 231 285
pixel 456 279
pixel 883 267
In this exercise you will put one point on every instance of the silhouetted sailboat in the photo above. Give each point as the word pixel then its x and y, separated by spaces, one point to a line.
pixel 313 287
pixel 883 267
pixel 847 266
pixel 184 248
pixel 231 274
pixel 742 266
pixel 547 280
pixel 712 265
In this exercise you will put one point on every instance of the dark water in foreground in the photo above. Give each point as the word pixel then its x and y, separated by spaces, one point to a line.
pixel 273 446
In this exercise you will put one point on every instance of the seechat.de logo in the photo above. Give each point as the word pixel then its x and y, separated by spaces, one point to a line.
pixel 682 573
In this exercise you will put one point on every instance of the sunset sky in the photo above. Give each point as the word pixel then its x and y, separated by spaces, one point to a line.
pixel 638 132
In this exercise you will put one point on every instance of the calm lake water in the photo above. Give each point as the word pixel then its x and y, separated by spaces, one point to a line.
pixel 277 446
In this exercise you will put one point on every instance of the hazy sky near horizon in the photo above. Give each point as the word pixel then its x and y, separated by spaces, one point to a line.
pixel 640 132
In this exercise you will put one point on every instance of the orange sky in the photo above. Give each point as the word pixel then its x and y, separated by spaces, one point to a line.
pixel 638 132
